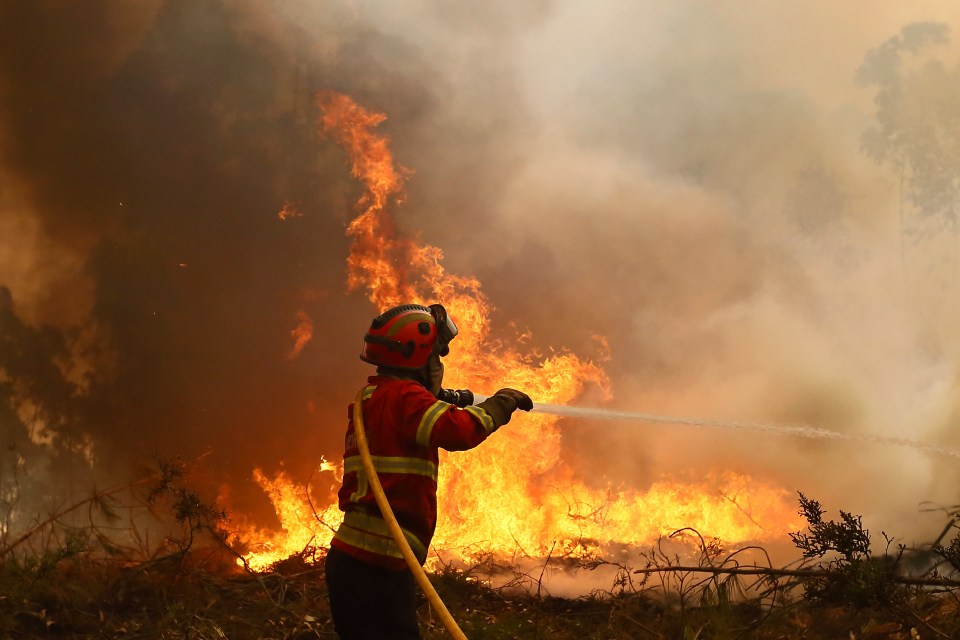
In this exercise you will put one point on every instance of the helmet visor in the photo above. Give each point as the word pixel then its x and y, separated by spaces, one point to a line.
pixel 446 329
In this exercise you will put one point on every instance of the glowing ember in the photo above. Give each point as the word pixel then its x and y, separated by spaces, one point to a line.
pixel 514 493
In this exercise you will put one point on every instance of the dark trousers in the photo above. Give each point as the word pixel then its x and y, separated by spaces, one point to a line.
pixel 369 602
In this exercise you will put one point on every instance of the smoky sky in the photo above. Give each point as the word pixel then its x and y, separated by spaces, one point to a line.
pixel 686 180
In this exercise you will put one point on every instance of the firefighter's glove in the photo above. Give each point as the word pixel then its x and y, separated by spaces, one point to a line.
pixel 521 400
pixel 501 405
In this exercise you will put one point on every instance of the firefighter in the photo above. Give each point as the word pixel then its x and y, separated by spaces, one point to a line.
pixel 372 594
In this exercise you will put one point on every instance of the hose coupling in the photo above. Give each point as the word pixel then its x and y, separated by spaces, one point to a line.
pixel 457 397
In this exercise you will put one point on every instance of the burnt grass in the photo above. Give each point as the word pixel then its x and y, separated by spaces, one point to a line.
pixel 202 593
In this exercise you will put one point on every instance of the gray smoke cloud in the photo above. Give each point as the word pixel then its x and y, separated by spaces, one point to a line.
pixel 685 179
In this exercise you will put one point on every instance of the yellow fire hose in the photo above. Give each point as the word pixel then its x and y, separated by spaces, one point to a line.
pixel 394 526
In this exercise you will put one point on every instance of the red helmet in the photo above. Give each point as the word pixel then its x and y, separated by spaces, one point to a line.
pixel 405 337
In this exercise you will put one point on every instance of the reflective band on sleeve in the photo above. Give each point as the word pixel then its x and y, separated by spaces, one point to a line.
pixel 488 424
pixel 393 464
pixel 428 421
pixel 370 533
pixel 362 484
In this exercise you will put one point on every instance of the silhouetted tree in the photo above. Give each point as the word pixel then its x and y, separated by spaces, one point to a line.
pixel 918 128
pixel 41 416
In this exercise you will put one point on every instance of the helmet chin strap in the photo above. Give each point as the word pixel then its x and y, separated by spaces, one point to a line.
pixel 434 374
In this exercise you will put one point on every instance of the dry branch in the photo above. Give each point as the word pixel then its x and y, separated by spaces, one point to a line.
pixel 791 573
pixel 96 497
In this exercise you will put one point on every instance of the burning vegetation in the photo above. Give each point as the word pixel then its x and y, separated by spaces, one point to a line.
pixel 514 495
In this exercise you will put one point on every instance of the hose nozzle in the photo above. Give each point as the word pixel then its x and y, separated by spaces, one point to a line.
pixel 459 398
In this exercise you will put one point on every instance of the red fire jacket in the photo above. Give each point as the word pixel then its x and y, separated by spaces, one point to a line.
pixel 405 426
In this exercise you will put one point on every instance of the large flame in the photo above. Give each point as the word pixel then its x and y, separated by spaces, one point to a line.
pixel 513 494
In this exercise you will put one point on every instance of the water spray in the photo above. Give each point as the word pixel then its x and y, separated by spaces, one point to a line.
pixel 795 430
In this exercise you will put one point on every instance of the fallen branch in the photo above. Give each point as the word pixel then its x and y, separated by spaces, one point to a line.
pixel 791 573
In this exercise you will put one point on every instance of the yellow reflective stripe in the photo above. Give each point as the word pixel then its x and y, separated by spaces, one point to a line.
pixel 362 485
pixel 488 424
pixel 428 421
pixel 368 542
pixel 370 533
pixel 393 464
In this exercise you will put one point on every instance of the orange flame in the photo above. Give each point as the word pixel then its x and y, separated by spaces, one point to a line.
pixel 289 210
pixel 301 334
pixel 514 492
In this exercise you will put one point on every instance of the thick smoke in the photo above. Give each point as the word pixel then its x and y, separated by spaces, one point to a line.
pixel 687 180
